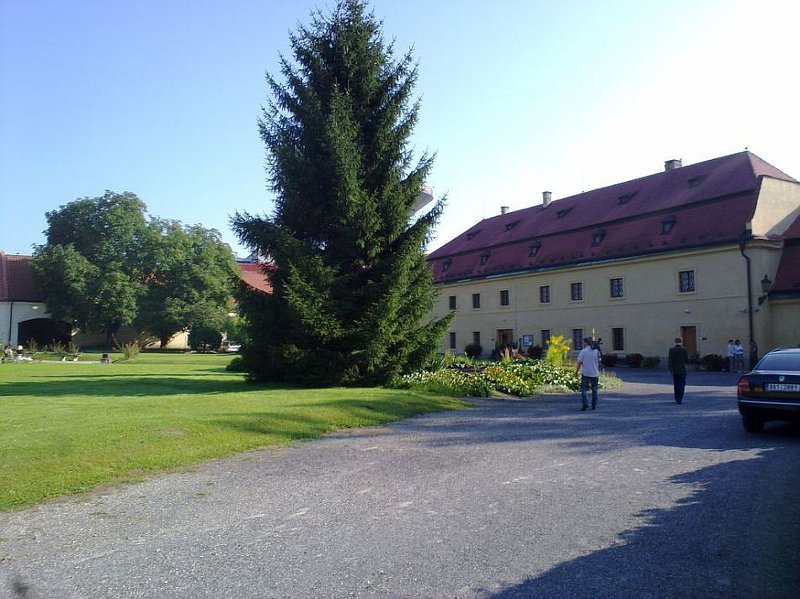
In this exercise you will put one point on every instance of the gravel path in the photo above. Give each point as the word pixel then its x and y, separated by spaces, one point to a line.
pixel 511 498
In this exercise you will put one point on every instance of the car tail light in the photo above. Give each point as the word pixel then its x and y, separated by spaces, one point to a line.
pixel 743 387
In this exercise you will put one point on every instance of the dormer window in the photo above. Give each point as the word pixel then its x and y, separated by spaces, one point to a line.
pixel 626 197
pixel 472 234
pixel 535 247
pixel 510 226
pixel 446 265
pixel 485 257
pixel 598 236
pixel 667 223
pixel 563 213
pixel 695 181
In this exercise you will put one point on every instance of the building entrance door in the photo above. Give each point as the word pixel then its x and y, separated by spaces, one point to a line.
pixel 505 337
pixel 689 335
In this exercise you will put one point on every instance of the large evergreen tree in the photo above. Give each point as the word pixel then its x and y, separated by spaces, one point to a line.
pixel 351 286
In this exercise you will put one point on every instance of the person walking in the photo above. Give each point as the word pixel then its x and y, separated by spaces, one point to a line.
pixel 676 363
pixel 589 368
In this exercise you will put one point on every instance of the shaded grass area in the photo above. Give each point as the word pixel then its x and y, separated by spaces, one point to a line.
pixel 69 427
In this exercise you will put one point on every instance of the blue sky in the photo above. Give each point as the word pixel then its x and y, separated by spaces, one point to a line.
pixel 161 98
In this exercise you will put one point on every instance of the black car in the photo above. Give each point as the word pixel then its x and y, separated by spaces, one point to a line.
pixel 771 391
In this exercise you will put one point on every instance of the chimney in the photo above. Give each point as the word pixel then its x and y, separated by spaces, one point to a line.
pixel 671 165
pixel 503 209
pixel 547 197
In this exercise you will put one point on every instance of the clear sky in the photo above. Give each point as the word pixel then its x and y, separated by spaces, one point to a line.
pixel 161 98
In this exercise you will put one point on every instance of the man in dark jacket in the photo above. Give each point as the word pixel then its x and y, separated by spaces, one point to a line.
pixel 676 363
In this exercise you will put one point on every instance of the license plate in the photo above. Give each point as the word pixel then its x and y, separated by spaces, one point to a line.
pixel 782 387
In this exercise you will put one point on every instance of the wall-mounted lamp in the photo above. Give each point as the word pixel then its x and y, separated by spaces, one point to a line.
pixel 766 287
pixel 687 311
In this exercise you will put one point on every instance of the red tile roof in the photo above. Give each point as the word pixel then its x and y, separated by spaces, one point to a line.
pixel 708 203
pixel 254 274
pixel 17 284
pixel 16 279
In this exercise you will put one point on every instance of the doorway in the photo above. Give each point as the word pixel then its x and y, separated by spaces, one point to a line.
pixel 505 338
pixel 689 334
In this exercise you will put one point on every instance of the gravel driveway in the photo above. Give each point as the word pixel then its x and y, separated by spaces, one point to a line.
pixel 510 498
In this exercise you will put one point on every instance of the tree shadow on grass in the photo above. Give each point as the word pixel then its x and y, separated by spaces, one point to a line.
pixel 128 385
pixel 733 536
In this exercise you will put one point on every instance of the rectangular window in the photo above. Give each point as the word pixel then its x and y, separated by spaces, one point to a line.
pixel 576 292
pixel 452 302
pixel 504 298
pixel 544 294
pixel 617 289
pixel 476 301
pixel 452 340
pixel 476 337
pixel 686 281
pixel 577 339
pixel 545 337
pixel 617 339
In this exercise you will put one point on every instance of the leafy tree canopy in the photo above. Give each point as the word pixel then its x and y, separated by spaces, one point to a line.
pixel 351 286
pixel 106 264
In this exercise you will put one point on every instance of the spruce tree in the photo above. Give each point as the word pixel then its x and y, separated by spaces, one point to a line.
pixel 351 288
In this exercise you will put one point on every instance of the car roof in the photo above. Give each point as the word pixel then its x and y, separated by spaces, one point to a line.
pixel 785 350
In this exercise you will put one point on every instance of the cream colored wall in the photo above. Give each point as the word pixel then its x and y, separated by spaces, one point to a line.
pixel 778 207
pixel 785 323
pixel 651 313
pixel 178 341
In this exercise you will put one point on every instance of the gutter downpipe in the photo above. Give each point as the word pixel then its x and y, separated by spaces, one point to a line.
pixel 747 235
pixel 10 320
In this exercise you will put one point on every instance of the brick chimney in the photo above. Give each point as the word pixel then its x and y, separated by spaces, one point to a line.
pixel 547 197
pixel 672 164
pixel 504 209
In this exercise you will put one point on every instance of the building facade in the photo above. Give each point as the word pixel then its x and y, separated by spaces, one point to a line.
pixel 708 252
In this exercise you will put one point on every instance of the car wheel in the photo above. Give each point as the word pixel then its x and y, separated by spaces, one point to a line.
pixel 752 424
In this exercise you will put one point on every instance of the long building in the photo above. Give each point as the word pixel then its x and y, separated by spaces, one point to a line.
pixel 708 252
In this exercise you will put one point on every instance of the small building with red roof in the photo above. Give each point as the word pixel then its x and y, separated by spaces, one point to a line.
pixel 683 252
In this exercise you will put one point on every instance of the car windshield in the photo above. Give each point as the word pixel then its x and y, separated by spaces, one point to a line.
pixel 780 362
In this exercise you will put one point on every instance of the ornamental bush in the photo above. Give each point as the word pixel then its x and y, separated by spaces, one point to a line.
pixel 634 360
pixel 713 362
pixel 473 350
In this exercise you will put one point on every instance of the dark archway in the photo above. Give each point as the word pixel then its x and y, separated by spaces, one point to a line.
pixel 44 331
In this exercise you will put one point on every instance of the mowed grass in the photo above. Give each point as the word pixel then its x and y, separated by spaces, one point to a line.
pixel 70 427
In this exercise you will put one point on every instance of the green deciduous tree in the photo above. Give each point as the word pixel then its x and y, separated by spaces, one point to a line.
pixel 191 274
pixel 90 267
pixel 351 287
pixel 106 264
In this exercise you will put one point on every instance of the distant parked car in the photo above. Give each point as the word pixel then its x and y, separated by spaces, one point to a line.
pixel 231 346
pixel 771 391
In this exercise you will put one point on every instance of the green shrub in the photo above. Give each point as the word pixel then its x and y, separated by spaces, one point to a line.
pixel 130 350
pixel 713 362
pixel 634 360
pixel 536 352
pixel 236 365
pixel 473 350
pixel 609 359
pixel 651 362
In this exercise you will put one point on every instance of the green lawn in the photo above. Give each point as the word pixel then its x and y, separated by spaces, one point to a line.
pixel 69 427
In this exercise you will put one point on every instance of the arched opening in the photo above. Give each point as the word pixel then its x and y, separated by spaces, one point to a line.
pixel 44 331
